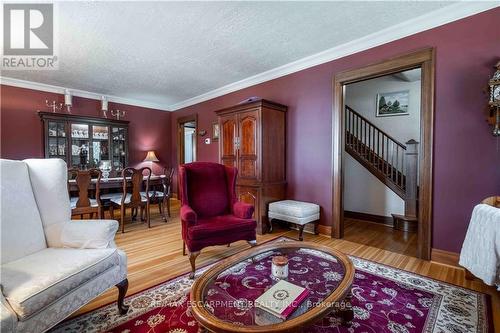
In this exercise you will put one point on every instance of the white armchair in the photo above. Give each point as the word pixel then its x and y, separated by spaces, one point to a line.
pixel 50 265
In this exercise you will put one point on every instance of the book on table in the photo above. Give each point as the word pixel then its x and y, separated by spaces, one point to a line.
pixel 282 299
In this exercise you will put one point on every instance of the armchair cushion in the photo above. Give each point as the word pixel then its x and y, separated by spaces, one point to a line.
pixel 207 189
pixel 243 210
pixel 36 281
pixel 49 182
pixel 89 234
pixel 221 228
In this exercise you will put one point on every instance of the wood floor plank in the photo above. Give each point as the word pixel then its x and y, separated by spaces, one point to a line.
pixel 155 255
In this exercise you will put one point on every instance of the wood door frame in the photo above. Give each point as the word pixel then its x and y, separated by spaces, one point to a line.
pixel 424 59
pixel 180 137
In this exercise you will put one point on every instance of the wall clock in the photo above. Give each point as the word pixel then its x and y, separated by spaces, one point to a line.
pixel 494 102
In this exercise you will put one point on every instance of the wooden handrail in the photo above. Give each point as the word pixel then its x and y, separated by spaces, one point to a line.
pixel 373 125
pixel 392 162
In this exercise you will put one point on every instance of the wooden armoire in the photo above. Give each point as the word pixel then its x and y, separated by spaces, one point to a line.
pixel 252 139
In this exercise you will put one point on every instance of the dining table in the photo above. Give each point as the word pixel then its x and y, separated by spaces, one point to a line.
pixel 117 182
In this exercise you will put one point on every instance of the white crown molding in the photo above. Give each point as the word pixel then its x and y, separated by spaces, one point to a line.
pixel 410 27
pixel 79 93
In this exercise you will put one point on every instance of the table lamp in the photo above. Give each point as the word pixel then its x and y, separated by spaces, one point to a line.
pixel 151 157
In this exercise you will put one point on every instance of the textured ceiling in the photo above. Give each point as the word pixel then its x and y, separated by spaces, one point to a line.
pixel 166 52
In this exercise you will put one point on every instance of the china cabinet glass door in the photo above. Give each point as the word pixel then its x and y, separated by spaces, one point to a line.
pixel 80 145
pixel 100 144
pixel 85 142
pixel 57 141
pixel 119 149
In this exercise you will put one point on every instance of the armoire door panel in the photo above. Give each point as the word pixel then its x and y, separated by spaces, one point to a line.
pixel 248 168
pixel 248 134
pixel 227 146
pixel 248 149
pixel 230 162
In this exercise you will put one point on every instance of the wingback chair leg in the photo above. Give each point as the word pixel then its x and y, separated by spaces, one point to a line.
pixel 192 260
pixel 183 248
pixel 122 291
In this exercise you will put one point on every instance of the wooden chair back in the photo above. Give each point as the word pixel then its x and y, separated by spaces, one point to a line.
pixel 167 184
pixel 492 201
pixel 83 180
pixel 135 178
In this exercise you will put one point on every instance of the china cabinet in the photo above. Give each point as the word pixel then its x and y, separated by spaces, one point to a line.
pixel 83 142
pixel 252 139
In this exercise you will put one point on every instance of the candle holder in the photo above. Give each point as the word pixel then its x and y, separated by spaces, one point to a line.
pixel 118 114
pixel 280 267
pixel 54 106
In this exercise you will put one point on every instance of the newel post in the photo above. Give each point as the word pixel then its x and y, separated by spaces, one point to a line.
pixel 411 172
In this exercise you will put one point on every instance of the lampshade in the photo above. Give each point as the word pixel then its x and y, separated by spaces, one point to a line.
pixel 151 157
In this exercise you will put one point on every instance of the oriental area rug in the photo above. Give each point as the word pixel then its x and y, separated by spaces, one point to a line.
pixel 385 299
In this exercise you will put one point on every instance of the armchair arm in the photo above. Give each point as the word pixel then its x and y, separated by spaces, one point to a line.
pixel 243 210
pixel 89 234
pixel 8 318
pixel 188 215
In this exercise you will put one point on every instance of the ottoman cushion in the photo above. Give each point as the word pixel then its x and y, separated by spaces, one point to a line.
pixel 294 208
pixel 294 211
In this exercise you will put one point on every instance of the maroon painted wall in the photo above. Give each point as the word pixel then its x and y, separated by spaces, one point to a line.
pixel 21 128
pixel 466 155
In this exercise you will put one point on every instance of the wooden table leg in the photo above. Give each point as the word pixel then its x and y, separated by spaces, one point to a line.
pixel 346 313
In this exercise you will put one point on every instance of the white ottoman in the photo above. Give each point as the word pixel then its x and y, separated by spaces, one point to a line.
pixel 296 212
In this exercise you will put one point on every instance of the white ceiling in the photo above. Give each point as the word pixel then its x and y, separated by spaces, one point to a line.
pixel 165 53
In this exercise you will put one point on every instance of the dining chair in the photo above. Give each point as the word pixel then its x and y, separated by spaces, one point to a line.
pixel 131 197
pixel 83 203
pixel 162 198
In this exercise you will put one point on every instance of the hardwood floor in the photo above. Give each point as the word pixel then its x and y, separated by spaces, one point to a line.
pixel 380 236
pixel 155 255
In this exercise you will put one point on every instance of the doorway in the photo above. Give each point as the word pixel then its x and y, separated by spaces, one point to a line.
pixel 382 134
pixel 187 139
pixel 423 60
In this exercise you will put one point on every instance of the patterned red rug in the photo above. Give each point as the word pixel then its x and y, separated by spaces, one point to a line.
pixel 385 300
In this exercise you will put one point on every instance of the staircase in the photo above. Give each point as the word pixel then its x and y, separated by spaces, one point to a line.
pixel 393 163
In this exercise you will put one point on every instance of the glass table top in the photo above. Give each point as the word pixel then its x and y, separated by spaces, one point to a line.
pixel 230 295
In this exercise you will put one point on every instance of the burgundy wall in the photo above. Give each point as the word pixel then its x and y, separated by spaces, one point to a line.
pixel 466 155
pixel 21 128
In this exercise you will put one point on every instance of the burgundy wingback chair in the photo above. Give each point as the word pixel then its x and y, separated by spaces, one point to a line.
pixel 210 212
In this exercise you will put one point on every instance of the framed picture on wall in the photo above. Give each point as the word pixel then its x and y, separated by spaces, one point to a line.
pixel 393 103
pixel 215 131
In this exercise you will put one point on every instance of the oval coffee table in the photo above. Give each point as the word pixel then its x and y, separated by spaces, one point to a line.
pixel 222 297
